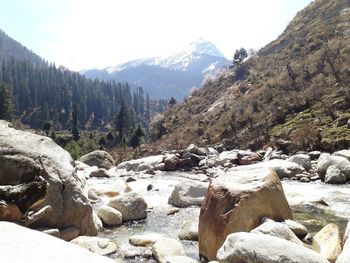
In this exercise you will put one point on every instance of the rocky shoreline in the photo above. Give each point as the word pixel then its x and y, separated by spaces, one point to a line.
pixel 244 216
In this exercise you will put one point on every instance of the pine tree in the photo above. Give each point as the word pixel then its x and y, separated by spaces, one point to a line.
pixel 6 105
pixel 172 101
pixel 124 120
pixel 123 143
pixel 75 130
pixel 136 137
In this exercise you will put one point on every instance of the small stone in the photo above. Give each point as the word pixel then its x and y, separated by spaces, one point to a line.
pixel 110 216
pixel 130 179
pixel 101 246
pixel 145 239
pixel 305 179
pixel 167 247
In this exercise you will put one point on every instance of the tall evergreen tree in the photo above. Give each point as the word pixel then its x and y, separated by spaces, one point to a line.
pixel 6 105
pixel 75 130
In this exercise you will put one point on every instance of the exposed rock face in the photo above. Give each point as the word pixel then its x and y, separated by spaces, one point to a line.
pixel 188 194
pixel 20 244
pixel 282 168
pixel 98 158
pixel 326 160
pixel 101 246
pixel 329 239
pixel 248 247
pixel 131 205
pixel 237 202
pixel 25 156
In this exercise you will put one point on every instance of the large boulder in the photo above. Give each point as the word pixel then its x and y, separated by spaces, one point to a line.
pixel 131 205
pixel 330 242
pixel 248 157
pixel 167 247
pixel 282 168
pixel 347 232
pixel 302 159
pixel 326 160
pixel 276 229
pixel 141 164
pixel 343 153
pixel 237 202
pixel 110 216
pixel 20 244
pixel 187 194
pixel 171 162
pixel 334 176
pixel 24 157
pixel 98 158
pixel 250 248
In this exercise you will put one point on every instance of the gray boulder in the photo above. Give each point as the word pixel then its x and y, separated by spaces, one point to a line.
pixel 25 156
pixel 131 205
pixel 343 153
pixel 327 160
pixel 334 176
pixel 281 167
pixel 98 158
pixel 187 194
pixel 20 244
pixel 302 159
pixel 249 247
pixel 276 229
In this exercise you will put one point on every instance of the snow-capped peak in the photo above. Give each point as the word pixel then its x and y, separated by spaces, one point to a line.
pixel 182 60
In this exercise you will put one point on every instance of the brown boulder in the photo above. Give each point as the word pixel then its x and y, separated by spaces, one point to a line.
pixel 237 202
pixel 247 157
pixel 171 162
pixel 9 212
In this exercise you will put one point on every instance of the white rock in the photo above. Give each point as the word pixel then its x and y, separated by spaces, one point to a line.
pixel 20 244
pixel 180 259
pixel 187 194
pixel 101 246
pixel 248 247
pixel 302 159
pixel 167 247
pixel 110 216
pixel 144 240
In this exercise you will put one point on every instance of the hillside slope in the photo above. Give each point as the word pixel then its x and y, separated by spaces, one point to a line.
pixel 11 48
pixel 293 93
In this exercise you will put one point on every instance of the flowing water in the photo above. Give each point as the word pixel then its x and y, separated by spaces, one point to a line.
pixel 314 204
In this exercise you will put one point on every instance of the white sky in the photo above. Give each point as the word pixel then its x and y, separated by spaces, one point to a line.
pixel 83 34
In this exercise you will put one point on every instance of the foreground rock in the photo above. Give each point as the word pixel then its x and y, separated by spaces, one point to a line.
pixel 20 244
pixel 131 205
pixel 330 242
pixel 25 156
pixel 188 194
pixel 236 202
pixel 284 169
pixel 101 246
pixel 98 158
pixel 248 247
pixel 167 247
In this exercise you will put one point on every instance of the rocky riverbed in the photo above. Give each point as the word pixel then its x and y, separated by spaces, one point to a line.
pixel 211 203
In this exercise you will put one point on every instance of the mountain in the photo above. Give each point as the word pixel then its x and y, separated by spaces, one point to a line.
pixel 175 75
pixel 293 94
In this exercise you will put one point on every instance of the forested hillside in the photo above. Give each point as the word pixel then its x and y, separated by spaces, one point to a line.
pixel 35 92
pixel 294 93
